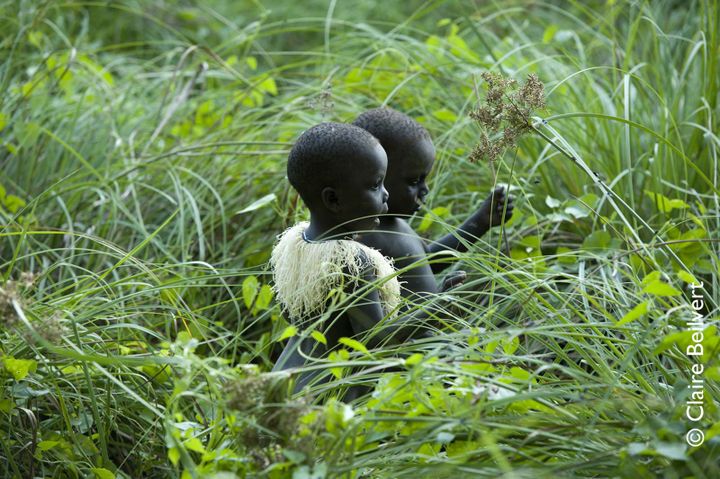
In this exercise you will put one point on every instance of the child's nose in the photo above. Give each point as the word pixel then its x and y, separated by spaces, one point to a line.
pixel 385 194
pixel 424 189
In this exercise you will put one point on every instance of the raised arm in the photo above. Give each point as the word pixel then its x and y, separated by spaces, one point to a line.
pixel 488 215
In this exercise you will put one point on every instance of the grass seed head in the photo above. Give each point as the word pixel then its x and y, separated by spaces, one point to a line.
pixel 11 292
pixel 51 328
pixel 8 295
pixel 532 93
pixel 247 393
pixel 504 117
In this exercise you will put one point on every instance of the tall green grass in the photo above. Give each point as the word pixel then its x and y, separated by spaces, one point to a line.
pixel 143 149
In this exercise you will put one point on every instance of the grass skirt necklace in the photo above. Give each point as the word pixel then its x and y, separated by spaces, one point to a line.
pixel 305 271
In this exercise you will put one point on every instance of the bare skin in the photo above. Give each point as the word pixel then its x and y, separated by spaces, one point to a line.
pixel 352 204
pixel 409 164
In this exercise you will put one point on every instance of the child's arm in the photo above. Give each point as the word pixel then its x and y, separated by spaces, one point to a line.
pixel 359 316
pixel 489 214
pixel 366 314
pixel 293 356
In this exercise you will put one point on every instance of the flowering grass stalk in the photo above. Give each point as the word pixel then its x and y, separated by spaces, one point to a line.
pixel 505 116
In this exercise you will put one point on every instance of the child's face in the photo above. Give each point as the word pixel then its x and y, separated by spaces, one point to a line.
pixel 408 167
pixel 362 193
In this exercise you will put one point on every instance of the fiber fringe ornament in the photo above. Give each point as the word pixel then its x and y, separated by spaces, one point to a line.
pixel 305 273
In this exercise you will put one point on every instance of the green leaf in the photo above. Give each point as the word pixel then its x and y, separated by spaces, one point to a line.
pixel 187 14
pixel 665 204
pixel 672 450
pixel 510 345
pixel 262 302
pixel 194 444
pixel 430 217
pixel 435 46
pixel 288 332
pixel 549 33
pixel 102 473
pixel 251 63
pixel 339 355
pixel 597 240
pixel 97 69
pixel 3 121
pixel 688 240
pixel 19 368
pixel 532 242
pixel 459 47
pixel 35 38
pixel 337 415
pixel 577 210
pixel 552 202
pixel 711 374
pixel 319 337
pixel 660 288
pixel 650 277
pixel 174 456
pixel 589 199
pixel 13 203
pixel 295 457
pixel 445 115
pixel 565 255
pixel 47 445
pixel 414 359
pixel 268 85
pixel 683 339
pixel 249 290
pixel 687 277
pixel 634 314
pixel 353 344
pixel 463 449
pixel 491 346
pixel 6 405
pixel 520 374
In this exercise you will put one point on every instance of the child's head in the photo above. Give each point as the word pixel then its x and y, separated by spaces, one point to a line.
pixel 410 154
pixel 338 170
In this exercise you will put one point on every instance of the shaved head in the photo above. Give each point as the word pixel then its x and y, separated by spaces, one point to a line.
pixel 324 155
pixel 392 128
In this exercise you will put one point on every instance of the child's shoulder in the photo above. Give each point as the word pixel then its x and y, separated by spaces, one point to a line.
pixel 395 239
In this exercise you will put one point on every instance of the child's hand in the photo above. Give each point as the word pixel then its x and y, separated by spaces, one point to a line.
pixel 454 279
pixel 492 208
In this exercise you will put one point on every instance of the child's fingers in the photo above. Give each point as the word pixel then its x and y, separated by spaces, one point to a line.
pixel 499 192
pixel 505 204
pixel 455 279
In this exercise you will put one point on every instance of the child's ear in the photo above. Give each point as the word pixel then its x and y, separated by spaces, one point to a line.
pixel 330 199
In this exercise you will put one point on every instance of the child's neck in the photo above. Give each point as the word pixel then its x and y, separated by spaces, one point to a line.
pixel 390 220
pixel 322 228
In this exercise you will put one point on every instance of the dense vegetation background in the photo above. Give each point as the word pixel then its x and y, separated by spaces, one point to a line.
pixel 142 186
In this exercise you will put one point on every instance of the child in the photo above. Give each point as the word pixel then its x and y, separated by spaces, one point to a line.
pixel 411 155
pixel 338 171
